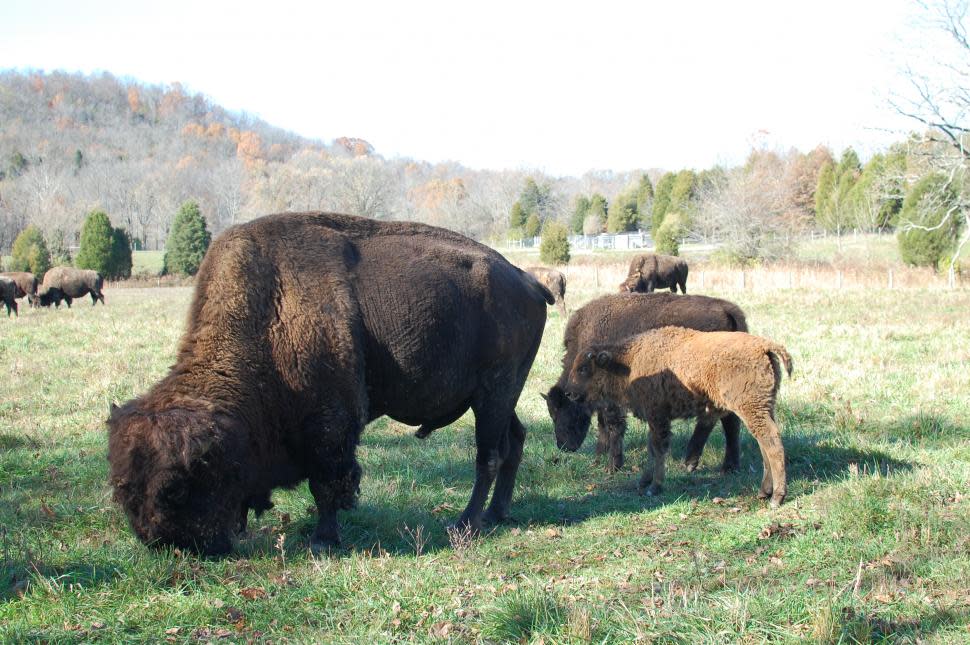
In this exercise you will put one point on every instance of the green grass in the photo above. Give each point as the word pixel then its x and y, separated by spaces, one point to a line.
pixel 873 544
pixel 147 262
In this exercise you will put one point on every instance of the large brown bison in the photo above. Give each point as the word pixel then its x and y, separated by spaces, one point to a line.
pixel 304 327
pixel 26 282
pixel 611 318
pixel 651 271
pixel 555 282
pixel 8 295
pixel 66 283
pixel 677 373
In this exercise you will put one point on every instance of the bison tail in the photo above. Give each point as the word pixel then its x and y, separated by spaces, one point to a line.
pixel 778 353
pixel 537 288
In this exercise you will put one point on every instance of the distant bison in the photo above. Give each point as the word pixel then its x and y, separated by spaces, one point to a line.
pixel 612 318
pixel 65 283
pixel 555 282
pixel 8 294
pixel 26 282
pixel 651 271
pixel 304 327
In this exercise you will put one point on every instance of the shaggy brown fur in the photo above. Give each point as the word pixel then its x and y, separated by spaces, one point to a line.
pixel 8 295
pixel 69 283
pixel 609 319
pixel 304 327
pixel 652 271
pixel 676 373
pixel 555 282
pixel 26 282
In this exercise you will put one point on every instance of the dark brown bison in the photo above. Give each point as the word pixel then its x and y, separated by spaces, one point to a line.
pixel 303 328
pixel 8 295
pixel 652 271
pixel 66 283
pixel 555 282
pixel 611 318
pixel 26 282
pixel 677 373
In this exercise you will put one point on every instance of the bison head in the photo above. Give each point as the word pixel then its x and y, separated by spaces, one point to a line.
pixel 177 473
pixel 634 283
pixel 570 420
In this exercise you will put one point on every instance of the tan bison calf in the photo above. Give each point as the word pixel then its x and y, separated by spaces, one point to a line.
pixel 677 373
pixel 555 282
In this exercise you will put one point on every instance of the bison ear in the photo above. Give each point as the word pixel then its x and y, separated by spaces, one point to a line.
pixel 545 397
pixel 603 358
pixel 114 407
pixel 555 396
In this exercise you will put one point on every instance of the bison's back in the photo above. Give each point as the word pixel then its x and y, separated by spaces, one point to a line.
pixel 26 282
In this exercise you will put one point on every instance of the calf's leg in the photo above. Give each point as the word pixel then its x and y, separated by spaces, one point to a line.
pixel 762 425
pixel 695 447
pixel 731 425
pixel 652 479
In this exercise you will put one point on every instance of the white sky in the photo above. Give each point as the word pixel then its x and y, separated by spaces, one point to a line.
pixel 563 87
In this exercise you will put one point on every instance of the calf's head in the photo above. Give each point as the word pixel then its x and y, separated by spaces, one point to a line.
pixel 592 376
pixel 177 473
pixel 570 420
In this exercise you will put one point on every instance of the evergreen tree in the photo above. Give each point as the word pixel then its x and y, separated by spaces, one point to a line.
pixel 683 192
pixel 673 229
pixel 532 225
pixel 580 210
pixel 924 238
pixel 96 241
pixel 661 201
pixel 120 255
pixel 644 199
pixel 187 242
pixel 598 207
pixel 29 252
pixel 823 192
pixel 623 213
pixel 555 244
pixel 517 216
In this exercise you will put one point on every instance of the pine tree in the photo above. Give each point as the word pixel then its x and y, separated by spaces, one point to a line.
pixel 668 236
pixel 532 225
pixel 598 207
pixel 555 244
pixel 661 201
pixel 120 255
pixel 924 238
pixel 187 242
pixel 823 193
pixel 580 210
pixel 29 252
pixel 517 216
pixel 96 242
pixel 623 213
pixel 644 201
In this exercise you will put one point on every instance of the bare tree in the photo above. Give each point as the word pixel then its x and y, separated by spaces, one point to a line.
pixel 938 98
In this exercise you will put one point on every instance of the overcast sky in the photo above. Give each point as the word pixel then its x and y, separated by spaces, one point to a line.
pixel 562 87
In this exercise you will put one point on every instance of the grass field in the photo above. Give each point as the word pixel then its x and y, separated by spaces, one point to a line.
pixel 873 544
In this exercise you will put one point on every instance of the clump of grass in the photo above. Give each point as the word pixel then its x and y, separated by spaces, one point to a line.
pixel 524 614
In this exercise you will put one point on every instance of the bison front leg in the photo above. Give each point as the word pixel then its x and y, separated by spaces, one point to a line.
pixel 333 493
pixel 612 428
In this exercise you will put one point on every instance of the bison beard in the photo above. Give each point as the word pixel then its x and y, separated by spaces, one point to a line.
pixel 302 329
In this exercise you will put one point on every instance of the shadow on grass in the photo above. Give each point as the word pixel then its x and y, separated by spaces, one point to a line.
pixel 12 441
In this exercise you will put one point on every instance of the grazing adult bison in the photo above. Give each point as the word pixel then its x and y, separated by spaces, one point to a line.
pixel 555 282
pixel 8 295
pixel 26 282
pixel 651 271
pixel 611 318
pixel 66 283
pixel 304 327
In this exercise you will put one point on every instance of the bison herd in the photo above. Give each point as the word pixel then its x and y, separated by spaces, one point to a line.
pixel 304 327
pixel 61 284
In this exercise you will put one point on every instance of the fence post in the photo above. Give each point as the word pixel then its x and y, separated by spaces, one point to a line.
pixel 741 282
pixel 702 279
pixel 791 279
pixel 597 270
pixel 839 278
pixel 890 278
pixel 951 277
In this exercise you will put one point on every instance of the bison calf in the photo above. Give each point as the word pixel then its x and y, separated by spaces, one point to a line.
pixel 675 373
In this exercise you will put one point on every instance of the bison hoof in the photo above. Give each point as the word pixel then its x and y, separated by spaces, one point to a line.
pixel 466 525
pixel 730 467
pixel 691 465
pixel 323 547
pixel 493 516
